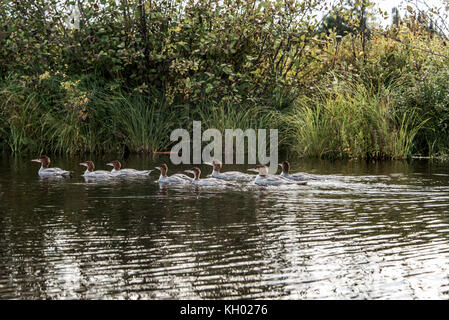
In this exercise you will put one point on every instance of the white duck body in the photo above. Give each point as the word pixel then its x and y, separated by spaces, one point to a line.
pixel 53 172
pixel 229 175
pixel 46 172
pixel 131 172
pixel 173 179
pixel 262 179
pixel 97 174
pixel 293 177
pixel 209 182
pixel 117 171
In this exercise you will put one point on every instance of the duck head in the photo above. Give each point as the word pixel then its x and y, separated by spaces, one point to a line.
pixel 89 164
pixel 43 160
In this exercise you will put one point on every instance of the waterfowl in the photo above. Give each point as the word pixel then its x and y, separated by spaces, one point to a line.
pixel 262 179
pixel 230 175
pixel 98 174
pixel 294 177
pixel 117 170
pixel 174 179
pixel 45 171
pixel 197 181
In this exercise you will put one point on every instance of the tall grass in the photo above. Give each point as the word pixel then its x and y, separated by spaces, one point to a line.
pixel 141 123
pixel 63 132
pixel 350 121
pixel 68 117
pixel 341 120
pixel 19 116
pixel 403 138
pixel 226 115
pixel 430 95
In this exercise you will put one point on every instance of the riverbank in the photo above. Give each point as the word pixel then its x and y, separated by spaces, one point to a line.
pixel 358 92
pixel 344 120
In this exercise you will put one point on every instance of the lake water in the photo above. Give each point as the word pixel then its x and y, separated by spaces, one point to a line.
pixel 362 231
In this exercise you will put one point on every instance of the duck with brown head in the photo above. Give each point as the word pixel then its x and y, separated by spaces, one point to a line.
pixel 263 179
pixel 98 174
pixel 197 181
pixel 174 179
pixel 45 171
pixel 229 175
pixel 294 177
pixel 118 171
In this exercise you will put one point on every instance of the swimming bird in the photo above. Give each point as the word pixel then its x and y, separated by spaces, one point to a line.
pixel 204 182
pixel 98 174
pixel 174 179
pixel 230 175
pixel 262 179
pixel 45 171
pixel 294 177
pixel 117 170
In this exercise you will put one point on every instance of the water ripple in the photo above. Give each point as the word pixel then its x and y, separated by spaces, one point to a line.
pixel 360 233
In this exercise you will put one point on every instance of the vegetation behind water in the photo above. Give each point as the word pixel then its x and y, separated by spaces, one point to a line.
pixel 104 76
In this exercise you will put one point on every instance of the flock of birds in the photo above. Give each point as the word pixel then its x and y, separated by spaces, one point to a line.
pixel 217 178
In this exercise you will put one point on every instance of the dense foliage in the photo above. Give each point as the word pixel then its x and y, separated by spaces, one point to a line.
pixel 100 76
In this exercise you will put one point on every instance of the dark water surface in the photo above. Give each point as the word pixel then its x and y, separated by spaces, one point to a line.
pixel 364 231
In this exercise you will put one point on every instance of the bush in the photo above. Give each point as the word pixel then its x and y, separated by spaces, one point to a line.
pixel 430 95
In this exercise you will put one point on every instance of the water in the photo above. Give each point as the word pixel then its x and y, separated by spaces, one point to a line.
pixel 363 231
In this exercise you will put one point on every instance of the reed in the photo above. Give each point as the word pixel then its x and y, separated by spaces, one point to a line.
pixel 140 122
pixel 19 118
pixel 226 115
pixel 342 120
pixel 348 120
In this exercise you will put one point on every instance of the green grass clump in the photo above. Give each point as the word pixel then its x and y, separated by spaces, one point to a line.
pixel 351 121
pixel 141 123
pixel 19 118
pixel 61 116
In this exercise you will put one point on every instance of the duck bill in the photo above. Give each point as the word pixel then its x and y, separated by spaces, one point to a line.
pixel 36 160
pixel 280 165
pixel 253 170
pixel 83 164
pixel 209 163
pixel 109 164
pixel 159 168
pixel 188 171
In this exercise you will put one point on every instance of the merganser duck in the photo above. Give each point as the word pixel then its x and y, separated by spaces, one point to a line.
pixel 294 177
pixel 262 178
pixel 45 171
pixel 116 170
pixel 230 175
pixel 203 182
pixel 174 179
pixel 98 174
